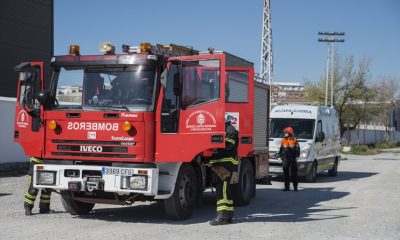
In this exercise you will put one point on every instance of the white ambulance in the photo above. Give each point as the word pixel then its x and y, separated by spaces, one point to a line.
pixel 317 131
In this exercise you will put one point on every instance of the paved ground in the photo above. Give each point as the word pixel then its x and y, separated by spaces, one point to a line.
pixel 362 202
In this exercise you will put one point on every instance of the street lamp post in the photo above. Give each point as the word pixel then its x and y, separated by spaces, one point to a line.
pixel 331 48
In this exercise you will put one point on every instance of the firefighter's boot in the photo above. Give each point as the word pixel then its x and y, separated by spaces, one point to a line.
pixel 220 221
pixel 28 211
pixel 44 208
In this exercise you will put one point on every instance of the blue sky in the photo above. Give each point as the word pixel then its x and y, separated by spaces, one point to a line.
pixel 372 29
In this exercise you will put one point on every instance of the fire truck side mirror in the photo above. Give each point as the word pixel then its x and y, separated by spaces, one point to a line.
pixel 43 97
pixel 23 70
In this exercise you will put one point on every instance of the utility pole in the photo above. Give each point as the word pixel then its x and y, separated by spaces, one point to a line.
pixel 266 68
pixel 330 39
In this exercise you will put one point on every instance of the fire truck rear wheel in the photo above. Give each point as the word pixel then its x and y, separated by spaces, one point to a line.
pixel 244 191
pixel 182 202
pixel 74 207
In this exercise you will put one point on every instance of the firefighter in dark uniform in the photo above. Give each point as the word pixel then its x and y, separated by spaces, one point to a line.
pixel 31 193
pixel 223 164
pixel 288 152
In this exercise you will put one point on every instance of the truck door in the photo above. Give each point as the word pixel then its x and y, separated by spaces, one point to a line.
pixel 28 130
pixel 191 115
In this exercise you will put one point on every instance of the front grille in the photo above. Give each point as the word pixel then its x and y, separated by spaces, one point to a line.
pixel 104 148
pixel 275 164
pixel 93 155
pixel 87 142
pixel 100 149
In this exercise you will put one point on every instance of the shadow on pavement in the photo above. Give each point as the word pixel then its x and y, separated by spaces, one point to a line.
pixel 4 194
pixel 270 205
pixel 274 205
pixel 341 176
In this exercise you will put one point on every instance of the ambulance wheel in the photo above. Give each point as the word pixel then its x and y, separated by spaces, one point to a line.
pixel 333 172
pixel 182 202
pixel 74 207
pixel 244 190
pixel 312 175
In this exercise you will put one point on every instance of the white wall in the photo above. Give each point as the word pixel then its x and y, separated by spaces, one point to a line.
pixel 10 152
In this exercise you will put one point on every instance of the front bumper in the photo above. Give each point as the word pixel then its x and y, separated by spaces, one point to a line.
pixel 303 167
pixel 89 178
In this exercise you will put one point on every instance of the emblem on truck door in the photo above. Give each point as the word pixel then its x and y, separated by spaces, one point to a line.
pixel 22 119
pixel 200 121
pixel 91 148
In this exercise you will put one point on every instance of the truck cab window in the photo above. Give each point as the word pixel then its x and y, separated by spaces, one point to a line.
pixel 200 82
pixel 170 104
pixel 69 88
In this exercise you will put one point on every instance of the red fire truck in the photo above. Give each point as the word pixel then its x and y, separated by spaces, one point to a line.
pixel 140 125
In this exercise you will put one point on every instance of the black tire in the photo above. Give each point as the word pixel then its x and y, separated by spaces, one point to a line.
pixel 181 204
pixel 75 207
pixel 333 171
pixel 312 175
pixel 244 190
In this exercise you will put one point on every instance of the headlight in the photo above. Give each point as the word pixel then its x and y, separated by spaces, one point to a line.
pixel 137 182
pixel 304 153
pixel 46 178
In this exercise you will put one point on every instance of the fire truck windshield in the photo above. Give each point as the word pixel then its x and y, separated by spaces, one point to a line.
pixel 106 87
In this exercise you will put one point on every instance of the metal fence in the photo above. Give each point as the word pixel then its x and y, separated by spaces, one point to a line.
pixel 367 136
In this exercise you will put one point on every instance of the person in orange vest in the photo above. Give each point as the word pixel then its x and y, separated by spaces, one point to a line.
pixel 288 152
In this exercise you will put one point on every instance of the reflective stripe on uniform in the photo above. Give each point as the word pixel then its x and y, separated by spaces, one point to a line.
pixel 45 196
pixel 229 159
pixel 230 140
pixel 224 208
pixel 225 201
pixel 224 190
pixel 45 201
pixel 32 197
pixel 36 160
pixel 30 202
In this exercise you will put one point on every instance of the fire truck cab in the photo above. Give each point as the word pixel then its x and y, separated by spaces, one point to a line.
pixel 140 126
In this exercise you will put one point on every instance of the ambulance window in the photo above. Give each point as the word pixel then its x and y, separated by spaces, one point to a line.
pixel 319 127
pixel 237 88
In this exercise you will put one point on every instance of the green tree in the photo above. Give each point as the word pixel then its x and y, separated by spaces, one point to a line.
pixel 351 92
pixel 386 101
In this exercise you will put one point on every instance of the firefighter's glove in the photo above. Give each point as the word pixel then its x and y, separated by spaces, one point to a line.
pixel 221 172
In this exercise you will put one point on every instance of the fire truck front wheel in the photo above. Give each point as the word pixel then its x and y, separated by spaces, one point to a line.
pixel 182 202
pixel 74 207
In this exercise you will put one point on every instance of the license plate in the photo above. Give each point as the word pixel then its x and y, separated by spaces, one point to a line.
pixel 275 169
pixel 117 171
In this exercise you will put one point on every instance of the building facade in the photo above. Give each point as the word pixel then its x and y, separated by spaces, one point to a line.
pixel 26 35
pixel 288 92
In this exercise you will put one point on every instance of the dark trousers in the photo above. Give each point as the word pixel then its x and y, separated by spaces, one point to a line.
pixel 31 192
pixel 224 198
pixel 223 190
pixel 290 168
